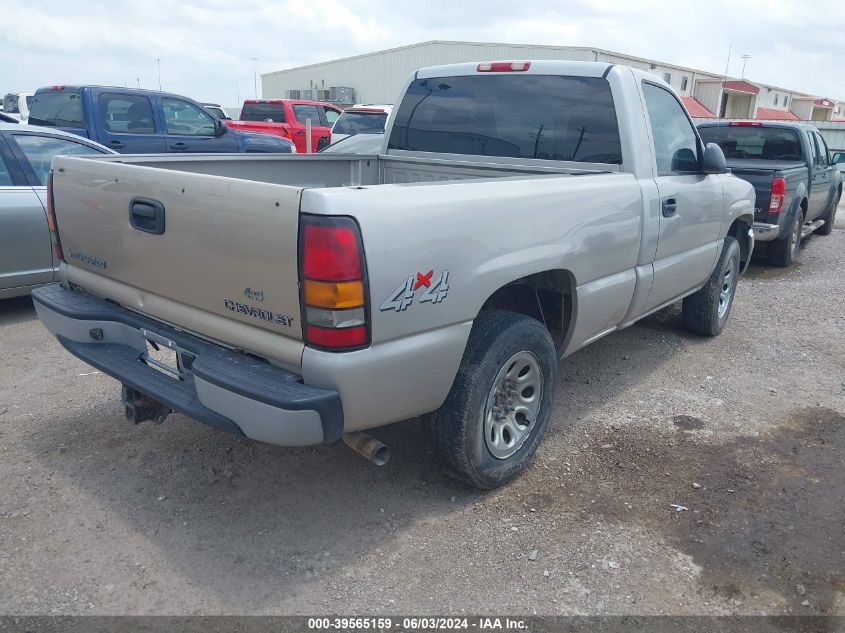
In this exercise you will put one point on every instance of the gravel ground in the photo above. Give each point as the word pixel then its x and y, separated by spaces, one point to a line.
pixel 745 431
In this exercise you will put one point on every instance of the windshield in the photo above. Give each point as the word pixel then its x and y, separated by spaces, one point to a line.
pixel 59 108
pixel 360 123
pixel 271 112
pixel 756 142
pixel 528 116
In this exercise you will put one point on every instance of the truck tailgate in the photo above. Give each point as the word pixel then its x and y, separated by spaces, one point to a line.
pixel 224 266
pixel 760 174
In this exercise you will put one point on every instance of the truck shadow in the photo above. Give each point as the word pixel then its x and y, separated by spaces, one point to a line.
pixel 16 310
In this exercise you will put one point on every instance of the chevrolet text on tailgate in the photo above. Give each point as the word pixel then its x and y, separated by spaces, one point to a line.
pixel 516 212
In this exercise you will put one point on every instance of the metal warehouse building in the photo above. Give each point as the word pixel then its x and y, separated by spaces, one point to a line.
pixel 378 77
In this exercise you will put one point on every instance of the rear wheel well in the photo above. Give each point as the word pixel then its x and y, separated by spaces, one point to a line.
pixel 546 296
pixel 739 231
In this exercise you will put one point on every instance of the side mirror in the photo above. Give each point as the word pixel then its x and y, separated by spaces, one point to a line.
pixel 714 160
pixel 838 158
pixel 220 127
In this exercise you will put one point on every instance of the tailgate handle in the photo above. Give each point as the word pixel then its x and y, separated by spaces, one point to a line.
pixel 147 215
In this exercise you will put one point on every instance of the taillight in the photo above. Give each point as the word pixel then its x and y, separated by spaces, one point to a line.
pixel 744 124
pixel 333 283
pixel 502 67
pixel 778 194
pixel 51 220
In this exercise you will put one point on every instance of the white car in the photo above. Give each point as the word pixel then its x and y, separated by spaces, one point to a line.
pixel 360 119
pixel 217 110
pixel 16 105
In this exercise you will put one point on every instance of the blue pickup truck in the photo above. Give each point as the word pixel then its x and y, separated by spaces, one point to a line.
pixel 134 121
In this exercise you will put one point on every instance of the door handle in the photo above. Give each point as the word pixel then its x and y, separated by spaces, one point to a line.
pixel 179 147
pixel 670 207
pixel 117 144
pixel 147 215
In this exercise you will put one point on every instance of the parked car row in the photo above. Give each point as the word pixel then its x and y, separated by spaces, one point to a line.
pixel 289 119
pixel 134 121
pixel 145 121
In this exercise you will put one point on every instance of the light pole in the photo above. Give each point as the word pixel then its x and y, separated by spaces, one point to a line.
pixel 254 77
pixel 745 58
pixel 158 66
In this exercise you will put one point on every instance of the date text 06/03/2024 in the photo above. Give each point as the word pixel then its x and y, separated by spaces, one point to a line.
pixel 416 624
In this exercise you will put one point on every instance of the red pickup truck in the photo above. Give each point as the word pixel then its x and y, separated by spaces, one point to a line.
pixel 287 117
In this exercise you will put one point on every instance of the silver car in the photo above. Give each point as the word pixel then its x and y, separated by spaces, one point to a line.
pixel 26 152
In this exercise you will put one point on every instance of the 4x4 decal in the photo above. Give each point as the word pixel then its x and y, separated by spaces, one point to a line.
pixel 435 291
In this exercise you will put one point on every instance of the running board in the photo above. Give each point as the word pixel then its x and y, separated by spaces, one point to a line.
pixel 810 228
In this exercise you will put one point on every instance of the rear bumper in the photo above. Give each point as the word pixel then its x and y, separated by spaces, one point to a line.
pixel 222 388
pixel 764 232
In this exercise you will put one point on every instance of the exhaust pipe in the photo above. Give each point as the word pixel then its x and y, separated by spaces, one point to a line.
pixel 367 447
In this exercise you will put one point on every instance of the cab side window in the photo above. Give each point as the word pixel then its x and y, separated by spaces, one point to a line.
pixel 126 114
pixel 821 149
pixel 305 111
pixel 675 141
pixel 5 176
pixel 182 117
pixel 331 115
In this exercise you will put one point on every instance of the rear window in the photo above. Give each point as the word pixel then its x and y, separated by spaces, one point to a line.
pixel 271 112
pixel 360 123
pixel 526 116
pixel 59 108
pixel 754 142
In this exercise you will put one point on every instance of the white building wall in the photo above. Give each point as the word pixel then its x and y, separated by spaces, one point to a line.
pixel 774 98
pixel 803 109
pixel 378 77
pixel 709 94
pixel 674 75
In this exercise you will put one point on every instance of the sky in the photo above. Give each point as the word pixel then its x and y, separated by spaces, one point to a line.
pixel 206 48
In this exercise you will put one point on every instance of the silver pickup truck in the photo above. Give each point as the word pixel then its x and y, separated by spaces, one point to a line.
pixel 516 212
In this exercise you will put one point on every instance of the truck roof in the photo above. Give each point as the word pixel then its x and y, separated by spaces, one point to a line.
pixel 120 88
pixel 535 67
pixel 283 101
pixel 792 125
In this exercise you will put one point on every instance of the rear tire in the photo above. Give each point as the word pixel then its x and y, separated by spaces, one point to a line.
pixel 784 251
pixel 830 217
pixel 707 310
pixel 493 419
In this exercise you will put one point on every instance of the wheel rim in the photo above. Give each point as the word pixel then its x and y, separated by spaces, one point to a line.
pixel 795 238
pixel 513 405
pixel 727 290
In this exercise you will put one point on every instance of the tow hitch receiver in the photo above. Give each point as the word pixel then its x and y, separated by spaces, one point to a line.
pixel 140 408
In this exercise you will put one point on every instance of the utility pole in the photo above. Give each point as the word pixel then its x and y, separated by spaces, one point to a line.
pixel 254 77
pixel 158 65
pixel 745 58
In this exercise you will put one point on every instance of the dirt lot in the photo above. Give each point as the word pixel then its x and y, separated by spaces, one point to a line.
pixel 746 431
